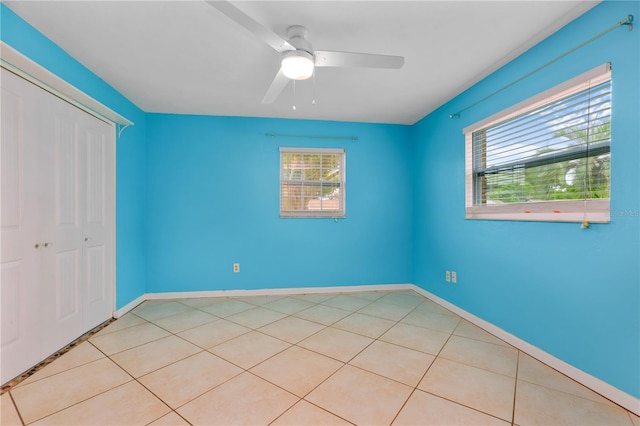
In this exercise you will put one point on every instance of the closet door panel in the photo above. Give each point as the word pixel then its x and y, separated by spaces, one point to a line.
pixel 20 223
pixel 64 263
pixel 67 285
pixel 12 160
pixel 12 282
pixel 99 220
pixel 67 173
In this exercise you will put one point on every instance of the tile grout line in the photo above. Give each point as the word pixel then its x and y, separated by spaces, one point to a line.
pixel 515 391
pixel 434 360
pixel 15 406
pixel 317 353
pixel 421 377
pixel 425 373
pixel 174 362
pixel 613 404
pixel 353 366
pixel 55 374
pixel 133 379
pixel 447 399
pixel 315 405
pixel 91 397
pixel 241 367
pixel 329 356
pixel 465 406
pixel 475 366
pixel 248 370
pixel 244 370
pixel 135 346
pixel 298 399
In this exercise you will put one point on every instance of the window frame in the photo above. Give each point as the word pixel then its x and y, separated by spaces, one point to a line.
pixel 591 210
pixel 334 214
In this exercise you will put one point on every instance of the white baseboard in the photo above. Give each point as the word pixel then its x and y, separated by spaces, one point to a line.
pixel 258 292
pixel 614 394
pixel 278 291
pixel 129 306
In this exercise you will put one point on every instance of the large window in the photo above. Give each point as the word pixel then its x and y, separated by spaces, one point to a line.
pixel 312 182
pixel 547 158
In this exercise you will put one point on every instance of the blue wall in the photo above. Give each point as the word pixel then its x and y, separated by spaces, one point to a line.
pixel 130 149
pixel 213 200
pixel 571 292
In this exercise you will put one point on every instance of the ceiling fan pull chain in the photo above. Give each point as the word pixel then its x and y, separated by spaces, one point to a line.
pixel 294 95
pixel 313 99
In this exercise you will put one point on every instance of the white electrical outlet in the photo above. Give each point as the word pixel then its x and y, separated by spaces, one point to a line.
pixel 454 277
pixel 236 267
pixel 447 276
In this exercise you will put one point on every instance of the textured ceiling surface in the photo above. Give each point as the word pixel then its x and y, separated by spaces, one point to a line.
pixel 185 57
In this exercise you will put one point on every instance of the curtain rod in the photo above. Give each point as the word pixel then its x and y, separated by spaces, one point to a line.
pixel 627 21
pixel 286 135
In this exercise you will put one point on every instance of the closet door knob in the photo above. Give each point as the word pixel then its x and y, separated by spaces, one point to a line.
pixel 86 238
pixel 38 245
pixel 48 244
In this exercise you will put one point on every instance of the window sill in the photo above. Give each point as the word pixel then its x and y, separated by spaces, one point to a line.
pixel 297 215
pixel 595 211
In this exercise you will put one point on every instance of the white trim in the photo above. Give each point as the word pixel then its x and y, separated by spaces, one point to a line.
pixel 278 291
pixel 129 306
pixel 19 64
pixel 612 393
pixel 114 270
pixel 468 170
pixel 339 213
pixel 592 210
pixel 260 292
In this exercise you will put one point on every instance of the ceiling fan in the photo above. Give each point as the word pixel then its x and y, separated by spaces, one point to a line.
pixel 299 59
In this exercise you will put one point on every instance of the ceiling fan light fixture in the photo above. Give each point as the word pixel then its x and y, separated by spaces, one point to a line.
pixel 297 64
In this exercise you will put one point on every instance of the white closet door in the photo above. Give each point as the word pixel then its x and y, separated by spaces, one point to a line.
pixel 58 192
pixel 99 198
pixel 62 284
pixel 21 252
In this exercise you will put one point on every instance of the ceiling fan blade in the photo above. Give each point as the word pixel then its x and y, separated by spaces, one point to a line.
pixel 256 28
pixel 328 58
pixel 277 86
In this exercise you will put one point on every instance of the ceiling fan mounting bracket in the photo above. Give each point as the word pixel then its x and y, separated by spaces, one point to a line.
pixel 297 37
pixel 297 31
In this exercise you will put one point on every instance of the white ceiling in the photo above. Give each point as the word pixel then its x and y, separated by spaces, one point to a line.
pixel 186 57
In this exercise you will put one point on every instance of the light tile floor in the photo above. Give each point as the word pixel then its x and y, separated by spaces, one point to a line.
pixel 364 358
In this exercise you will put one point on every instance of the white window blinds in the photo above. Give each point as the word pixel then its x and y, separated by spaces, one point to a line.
pixel 312 182
pixel 556 149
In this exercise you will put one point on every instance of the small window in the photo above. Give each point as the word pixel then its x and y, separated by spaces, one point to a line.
pixel 312 182
pixel 547 158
